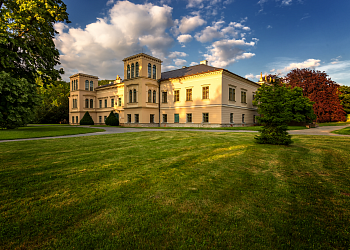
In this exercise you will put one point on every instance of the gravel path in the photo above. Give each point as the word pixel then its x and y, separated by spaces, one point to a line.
pixel 112 130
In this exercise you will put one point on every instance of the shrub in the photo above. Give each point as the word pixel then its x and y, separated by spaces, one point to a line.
pixel 87 119
pixel 112 120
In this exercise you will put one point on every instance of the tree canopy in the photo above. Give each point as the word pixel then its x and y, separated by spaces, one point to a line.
pixel 344 97
pixel 321 90
pixel 278 105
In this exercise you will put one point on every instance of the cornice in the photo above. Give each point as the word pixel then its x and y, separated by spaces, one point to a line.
pixel 82 74
pixel 198 75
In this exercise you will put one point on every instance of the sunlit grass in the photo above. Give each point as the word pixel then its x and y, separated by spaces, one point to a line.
pixel 175 190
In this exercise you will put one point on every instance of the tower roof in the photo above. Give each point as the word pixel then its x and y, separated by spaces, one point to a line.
pixel 142 55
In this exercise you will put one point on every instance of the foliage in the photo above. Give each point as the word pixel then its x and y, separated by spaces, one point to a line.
pixel 54 105
pixel 87 119
pixel 44 131
pixel 279 105
pixel 344 97
pixel 175 190
pixel 104 82
pixel 321 90
pixel 17 96
pixel 27 30
pixel 112 120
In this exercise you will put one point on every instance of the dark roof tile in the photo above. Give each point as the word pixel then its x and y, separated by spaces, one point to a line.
pixel 197 69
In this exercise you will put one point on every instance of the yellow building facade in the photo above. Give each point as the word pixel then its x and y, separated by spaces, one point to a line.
pixel 196 96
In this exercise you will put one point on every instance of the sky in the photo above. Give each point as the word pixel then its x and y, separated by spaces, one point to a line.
pixel 246 37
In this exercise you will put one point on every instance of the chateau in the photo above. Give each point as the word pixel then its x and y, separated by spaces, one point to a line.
pixel 196 96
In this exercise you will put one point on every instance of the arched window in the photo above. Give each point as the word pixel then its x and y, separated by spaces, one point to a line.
pixel 128 72
pixel 91 103
pixel 86 103
pixel 132 70
pixel 149 70
pixel 86 85
pixel 154 96
pixel 130 96
pixel 149 95
pixel 137 69
pixel 154 71
pixel 134 95
pixel 91 86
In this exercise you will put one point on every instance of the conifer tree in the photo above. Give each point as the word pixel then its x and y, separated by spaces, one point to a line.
pixel 87 119
pixel 112 120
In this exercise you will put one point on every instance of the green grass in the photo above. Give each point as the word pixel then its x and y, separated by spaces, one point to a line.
pixel 175 190
pixel 333 124
pixel 43 131
pixel 250 128
pixel 344 131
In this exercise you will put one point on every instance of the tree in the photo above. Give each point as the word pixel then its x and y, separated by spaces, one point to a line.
pixel 104 82
pixel 321 90
pixel 278 105
pixel 87 119
pixel 15 101
pixel 344 97
pixel 27 48
pixel 112 120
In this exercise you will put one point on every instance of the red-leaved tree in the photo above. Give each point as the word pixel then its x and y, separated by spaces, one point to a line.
pixel 319 88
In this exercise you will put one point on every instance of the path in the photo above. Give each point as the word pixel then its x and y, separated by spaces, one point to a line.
pixel 112 130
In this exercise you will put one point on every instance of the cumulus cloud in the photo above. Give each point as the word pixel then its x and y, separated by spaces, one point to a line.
pixel 180 62
pixel 184 38
pixel 99 48
pixel 195 3
pixel 176 54
pixel 250 76
pixel 189 23
pixel 193 63
pixel 224 52
pixel 335 60
pixel 309 63
pixel 109 2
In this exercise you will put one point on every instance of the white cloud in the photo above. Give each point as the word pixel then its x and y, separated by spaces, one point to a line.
pixel 180 62
pixel 184 38
pixel 176 54
pixel 224 52
pixel 309 63
pixel 336 60
pixel 195 3
pixel 193 63
pixel 109 2
pixel 99 48
pixel 250 76
pixel 286 2
pixel 269 27
pixel 189 23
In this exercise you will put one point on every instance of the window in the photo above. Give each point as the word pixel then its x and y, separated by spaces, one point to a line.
pixel 112 103
pixel 149 95
pixel 243 97
pixel 205 91
pixel 76 84
pixel 91 86
pixel 164 97
pixel 132 70
pixel 73 85
pixel 154 71
pixel 232 94
pixel 189 117
pixel 154 96
pixel 119 101
pixel 86 85
pixel 105 103
pixel 91 103
pixel 76 119
pixel 137 120
pixel 86 103
pixel 205 117
pixel 165 118
pixel 137 69
pixel 151 118
pixel 72 119
pixel 176 95
pixel 100 119
pixel 176 118
pixel 134 95
pixel 188 94
pixel 129 118
pixel 75 103
pixel 104 119
pixel 128 72
pixel 100 103
pixel 149 70
pixel 130 96
pixel 242 118
pixel 231 117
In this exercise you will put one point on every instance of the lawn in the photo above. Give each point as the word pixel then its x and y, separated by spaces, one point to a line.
pixel 175 190
pixel 333 124
pixel 250 128
pixel 43 131
pixel 344 131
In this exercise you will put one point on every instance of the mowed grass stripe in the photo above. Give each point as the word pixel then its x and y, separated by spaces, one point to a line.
pixel 174 190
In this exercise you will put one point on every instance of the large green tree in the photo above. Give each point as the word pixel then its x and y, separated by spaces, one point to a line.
pixel 344 97
pixel 278 105
pixel 27 48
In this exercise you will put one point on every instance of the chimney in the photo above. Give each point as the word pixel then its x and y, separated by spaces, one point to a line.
pixel 204 62
pixel 184 67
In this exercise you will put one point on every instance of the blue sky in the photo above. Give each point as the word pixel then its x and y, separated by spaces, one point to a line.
pixel 244 36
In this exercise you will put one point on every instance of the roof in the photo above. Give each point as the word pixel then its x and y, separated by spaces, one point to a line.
pixel 197 69
pixel 106 85
pixel 142 55
pixel 82 74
